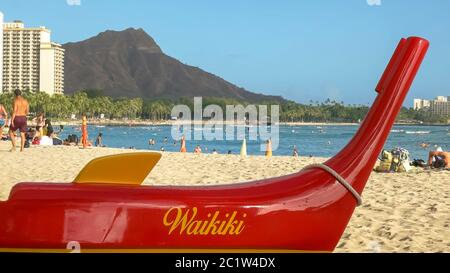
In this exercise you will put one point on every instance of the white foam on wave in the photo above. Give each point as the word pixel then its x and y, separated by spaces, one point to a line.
pixel 418 132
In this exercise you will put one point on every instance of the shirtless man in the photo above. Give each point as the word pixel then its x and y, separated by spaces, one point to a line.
pixel 19 119
pixel 444 155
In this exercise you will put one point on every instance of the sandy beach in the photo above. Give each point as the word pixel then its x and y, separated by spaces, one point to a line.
pixel 401 212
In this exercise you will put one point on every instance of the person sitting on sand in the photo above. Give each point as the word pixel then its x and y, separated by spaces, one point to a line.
pixel 21 109
pixel 48 128
pixel 439 159
pixel 99 140
pixel 214 152
pixel 198 150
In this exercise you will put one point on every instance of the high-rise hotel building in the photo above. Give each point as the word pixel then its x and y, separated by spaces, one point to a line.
pixel 1 51
pixel 30 60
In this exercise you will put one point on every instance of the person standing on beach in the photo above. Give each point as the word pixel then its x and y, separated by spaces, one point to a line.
pixel 268 152
pixel 21 109
pixel 84 132
pixel 3 118
pixel 295 151
pixel 183 145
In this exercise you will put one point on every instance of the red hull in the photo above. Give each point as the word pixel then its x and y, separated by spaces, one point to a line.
pixel 304 211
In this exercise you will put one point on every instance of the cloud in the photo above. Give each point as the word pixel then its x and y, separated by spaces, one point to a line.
pixel 374 2
pixel 73 2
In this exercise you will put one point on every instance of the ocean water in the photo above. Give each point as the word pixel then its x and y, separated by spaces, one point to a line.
pixel 323 141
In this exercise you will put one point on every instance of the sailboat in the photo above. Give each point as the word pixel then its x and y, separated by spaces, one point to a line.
pixel 107 210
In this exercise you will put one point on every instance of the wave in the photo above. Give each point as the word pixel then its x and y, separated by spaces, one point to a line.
pixel 418 132
pixel 397 131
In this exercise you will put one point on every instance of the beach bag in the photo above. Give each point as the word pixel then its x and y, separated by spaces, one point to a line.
pixel 46 141
pixel 385 163
pixel 36 141
pixel 386 156
pixel 57 141
pixel 404 166
pixel 400 160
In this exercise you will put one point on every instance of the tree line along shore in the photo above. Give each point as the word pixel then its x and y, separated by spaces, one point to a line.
pixel 136 110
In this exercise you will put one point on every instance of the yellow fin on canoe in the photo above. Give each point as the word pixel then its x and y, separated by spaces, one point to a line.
pixel 128 169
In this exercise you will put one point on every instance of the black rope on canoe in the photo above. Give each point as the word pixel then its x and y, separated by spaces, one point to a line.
pixel 339 178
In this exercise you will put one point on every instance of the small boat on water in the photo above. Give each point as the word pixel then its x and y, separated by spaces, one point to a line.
pixel 107 210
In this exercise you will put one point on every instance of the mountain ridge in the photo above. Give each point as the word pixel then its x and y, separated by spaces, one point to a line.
pixel 129 63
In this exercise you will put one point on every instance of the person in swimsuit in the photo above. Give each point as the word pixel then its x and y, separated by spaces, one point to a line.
pixel 439 155
pixel 40 123
pixel 3 118
pixel 84 131
pixel 21 109
pixel 197 150
pixel 183 145
pixel 295 151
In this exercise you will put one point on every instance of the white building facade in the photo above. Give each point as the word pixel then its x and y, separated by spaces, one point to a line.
pixel 1 51
pixel 31 61
pixel 439 106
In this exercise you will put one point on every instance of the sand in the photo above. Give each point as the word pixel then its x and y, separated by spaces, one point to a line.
pixel 401 212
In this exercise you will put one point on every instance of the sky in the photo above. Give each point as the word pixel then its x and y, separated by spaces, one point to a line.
pixel 301 50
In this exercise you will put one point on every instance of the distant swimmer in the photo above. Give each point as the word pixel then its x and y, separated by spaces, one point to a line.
pixel 198 150
pixel 162 149
pixel 424 145
pixel 165 140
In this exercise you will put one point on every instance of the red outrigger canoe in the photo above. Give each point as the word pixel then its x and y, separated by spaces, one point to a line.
pixel 307 211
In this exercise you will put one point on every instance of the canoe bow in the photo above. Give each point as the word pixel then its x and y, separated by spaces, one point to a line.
pixel 306 211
